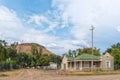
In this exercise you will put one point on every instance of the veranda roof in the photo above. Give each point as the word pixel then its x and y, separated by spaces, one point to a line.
pixel 84 56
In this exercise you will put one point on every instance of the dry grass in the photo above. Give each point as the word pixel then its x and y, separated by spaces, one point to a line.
pixel 35 74
pixel 92 73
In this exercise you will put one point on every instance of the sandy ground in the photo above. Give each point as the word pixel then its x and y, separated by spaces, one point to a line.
pixel 33 74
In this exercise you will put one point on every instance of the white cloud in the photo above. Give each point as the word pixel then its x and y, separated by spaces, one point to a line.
pixel 103 14
pixel 36 19
pixel 84 13
pixel 12 29
pixel 118 28
pixel 11 26
pixel 80 43
pixel 54 46
pixel 40 20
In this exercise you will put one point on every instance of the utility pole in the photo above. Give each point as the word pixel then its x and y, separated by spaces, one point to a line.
pixel 92 30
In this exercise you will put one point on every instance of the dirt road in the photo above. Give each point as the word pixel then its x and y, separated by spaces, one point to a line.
pixel 33 74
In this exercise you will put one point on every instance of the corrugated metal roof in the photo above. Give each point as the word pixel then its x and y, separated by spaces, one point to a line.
pixel 87 57
pixel 84 56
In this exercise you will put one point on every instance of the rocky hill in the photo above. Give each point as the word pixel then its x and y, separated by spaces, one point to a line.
pixel 27 48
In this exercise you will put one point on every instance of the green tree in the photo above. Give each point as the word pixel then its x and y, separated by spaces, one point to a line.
pixel 116 53
pixel 44 60
pixel 74 53
pixel 13 45
pixel 3 54
pixel 117 45
pixel 34 50
pixel 10 63
pixel 79 51
pixel 56 59
pixel 3 43
pixel 70 52
pixel 85 50
pixel 11 53
pixel 89 51
pixel 22 59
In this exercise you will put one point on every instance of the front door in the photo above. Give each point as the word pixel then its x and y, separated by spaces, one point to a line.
pixel 64 66
pixel 86 64
pixel 77 65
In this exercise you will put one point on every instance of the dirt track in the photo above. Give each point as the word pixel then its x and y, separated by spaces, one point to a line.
pixel 33 74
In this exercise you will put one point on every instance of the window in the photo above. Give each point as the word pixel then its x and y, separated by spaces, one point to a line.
pixel 107 64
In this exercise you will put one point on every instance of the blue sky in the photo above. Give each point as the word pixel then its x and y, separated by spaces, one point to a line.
pixel 60 25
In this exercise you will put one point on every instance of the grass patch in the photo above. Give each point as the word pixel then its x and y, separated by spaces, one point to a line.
pixel 92 73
